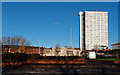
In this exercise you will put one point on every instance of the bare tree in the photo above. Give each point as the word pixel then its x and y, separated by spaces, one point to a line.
pixel 57 45
pixel 97 47
pixel 16 42
pixel 66 46
pixel 4 40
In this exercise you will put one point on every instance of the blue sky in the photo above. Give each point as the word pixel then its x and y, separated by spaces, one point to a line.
pixel 50 21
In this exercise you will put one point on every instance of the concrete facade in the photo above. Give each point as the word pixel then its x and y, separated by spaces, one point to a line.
pixel 93 30
pixel 81 32
pixel 61 52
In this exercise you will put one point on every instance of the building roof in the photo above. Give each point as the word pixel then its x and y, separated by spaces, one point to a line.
pixel 20 46
pixel 98 11
pixel 116 43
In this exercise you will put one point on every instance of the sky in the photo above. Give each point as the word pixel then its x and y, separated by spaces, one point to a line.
pixel 50 21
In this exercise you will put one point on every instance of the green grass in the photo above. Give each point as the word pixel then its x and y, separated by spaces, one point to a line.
pixel 2 53
pixel 109 59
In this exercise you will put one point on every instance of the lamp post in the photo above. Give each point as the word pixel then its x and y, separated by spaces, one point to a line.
pixel 39 45
pixel 70 36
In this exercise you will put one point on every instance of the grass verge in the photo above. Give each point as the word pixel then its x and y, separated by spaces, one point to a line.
pixel 109 59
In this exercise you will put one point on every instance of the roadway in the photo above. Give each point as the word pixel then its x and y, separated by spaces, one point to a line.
pixel 95 68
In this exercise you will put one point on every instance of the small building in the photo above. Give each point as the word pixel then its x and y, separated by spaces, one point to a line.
pixel 22 49
pixel 47 52
pixel 116 46
pixel 65 51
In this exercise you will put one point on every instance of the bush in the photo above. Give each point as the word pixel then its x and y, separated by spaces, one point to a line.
pixel 14 57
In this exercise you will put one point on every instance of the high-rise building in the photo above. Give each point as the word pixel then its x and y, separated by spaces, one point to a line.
pixel 93 30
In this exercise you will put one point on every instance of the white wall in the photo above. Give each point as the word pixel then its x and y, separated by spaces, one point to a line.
pixel 96 29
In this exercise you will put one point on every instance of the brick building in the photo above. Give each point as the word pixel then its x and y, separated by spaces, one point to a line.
pixel 22 49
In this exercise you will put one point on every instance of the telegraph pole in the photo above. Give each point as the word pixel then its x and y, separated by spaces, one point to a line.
pixel 39 45
pixel 70 36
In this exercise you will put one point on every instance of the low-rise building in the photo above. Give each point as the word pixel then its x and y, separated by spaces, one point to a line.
pixel 22 49
pixel 54 51
pixel 116 46
pixel 47 52
pixel 65 51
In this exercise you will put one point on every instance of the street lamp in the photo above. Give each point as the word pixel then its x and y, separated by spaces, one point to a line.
pixel 70 36
pixel 39 45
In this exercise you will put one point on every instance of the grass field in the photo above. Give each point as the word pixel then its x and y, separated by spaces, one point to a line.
pixel 109 59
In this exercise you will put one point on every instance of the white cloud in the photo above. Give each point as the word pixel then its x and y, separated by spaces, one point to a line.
pixel 56 23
